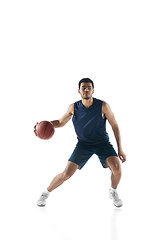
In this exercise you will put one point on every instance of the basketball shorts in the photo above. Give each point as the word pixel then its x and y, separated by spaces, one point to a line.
pixel 83 151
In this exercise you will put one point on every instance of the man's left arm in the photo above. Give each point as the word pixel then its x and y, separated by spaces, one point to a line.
pixel 111 119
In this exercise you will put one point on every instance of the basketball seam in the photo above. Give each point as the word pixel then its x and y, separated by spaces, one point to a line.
pixel 45 130
pixel 49 134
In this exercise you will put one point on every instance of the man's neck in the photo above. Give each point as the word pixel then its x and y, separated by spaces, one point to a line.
pixel 87 103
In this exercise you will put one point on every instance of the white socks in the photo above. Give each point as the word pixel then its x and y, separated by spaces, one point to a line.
pixel 46 192
pixel 113 190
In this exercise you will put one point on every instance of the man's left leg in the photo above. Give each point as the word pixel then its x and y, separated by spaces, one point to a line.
pixel 115 167
pixel 114 164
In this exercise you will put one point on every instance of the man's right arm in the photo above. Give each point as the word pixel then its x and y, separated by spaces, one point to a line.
pixel 66 117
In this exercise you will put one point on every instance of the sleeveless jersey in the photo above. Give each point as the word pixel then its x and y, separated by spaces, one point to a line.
pixel 89 125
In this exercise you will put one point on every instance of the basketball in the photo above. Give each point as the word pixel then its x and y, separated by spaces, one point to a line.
pixel 44 130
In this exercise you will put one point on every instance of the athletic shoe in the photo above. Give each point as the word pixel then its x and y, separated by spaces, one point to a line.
pixel 42 200
pixel 116 200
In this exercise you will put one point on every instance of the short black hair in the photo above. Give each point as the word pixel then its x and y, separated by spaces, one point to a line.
pixel 86 80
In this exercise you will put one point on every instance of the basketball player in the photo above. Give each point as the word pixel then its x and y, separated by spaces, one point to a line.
pixel 89 117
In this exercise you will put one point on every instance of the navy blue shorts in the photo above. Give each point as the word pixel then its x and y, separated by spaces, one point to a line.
pixel 83 151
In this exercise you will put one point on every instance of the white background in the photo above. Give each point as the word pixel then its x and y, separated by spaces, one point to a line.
pixel 46 47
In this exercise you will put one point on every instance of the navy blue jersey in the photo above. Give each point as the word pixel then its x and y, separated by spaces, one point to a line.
pixel 89 125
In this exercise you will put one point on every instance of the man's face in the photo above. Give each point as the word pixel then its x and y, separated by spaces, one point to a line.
pixel 86 90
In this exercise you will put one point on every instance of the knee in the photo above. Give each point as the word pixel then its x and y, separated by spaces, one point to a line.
pixel 117 169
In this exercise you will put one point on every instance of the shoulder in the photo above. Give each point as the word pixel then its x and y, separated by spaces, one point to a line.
pixel 105 107
pixel 104 104
pixel 77 105
pixel 98 101
pixel 78 102
pixel 71 109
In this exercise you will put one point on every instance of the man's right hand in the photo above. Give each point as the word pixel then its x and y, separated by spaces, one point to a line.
pixel 35 131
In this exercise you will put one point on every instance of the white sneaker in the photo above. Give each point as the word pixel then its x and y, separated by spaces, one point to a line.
pixel 116 200
pixel 42 200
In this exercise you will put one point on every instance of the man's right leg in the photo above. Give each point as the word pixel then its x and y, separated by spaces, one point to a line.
pixel 57 181
pixel 65 175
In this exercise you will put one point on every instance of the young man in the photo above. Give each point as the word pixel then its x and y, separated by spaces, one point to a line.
pixel 89 117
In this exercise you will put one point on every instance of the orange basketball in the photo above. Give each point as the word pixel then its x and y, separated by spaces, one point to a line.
pixel 44 130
